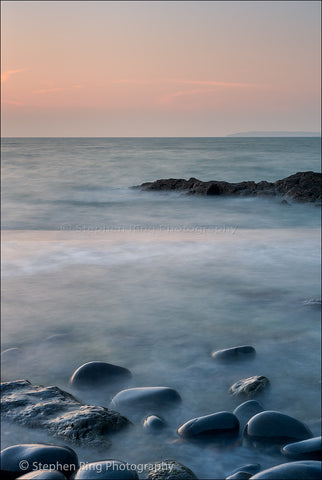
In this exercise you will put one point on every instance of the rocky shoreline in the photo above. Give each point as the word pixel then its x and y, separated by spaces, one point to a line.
pixel 61 415
pixel 300 187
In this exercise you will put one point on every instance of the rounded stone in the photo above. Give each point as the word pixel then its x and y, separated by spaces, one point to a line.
pixel 234 353
pixel 98 374
pixel 245 411
pixel 154 423
pixel 249 386
pixel 240 475
pixel 305 450
pixel 107 470
pixel 145 397
pixel 24 458
pixel 250 468
pixel 276 428
pixel 43 475
pixel 210 426
pixel 302 470
pixel 170 470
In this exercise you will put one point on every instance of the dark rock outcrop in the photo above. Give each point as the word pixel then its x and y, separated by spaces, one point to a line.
pixel 59 413
pixel 301 187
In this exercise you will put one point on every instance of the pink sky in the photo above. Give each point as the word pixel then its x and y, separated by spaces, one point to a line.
pixel 159 68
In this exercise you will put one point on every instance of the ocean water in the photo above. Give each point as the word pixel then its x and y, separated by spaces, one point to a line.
pixel 156 281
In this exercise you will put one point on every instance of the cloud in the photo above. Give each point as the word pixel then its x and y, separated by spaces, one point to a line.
pixel 13 102
pixel 5 75
pixel 178 81
pixel 182 93
pixel 48 90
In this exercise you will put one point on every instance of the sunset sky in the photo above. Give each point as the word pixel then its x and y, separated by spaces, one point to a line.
pixel 176 68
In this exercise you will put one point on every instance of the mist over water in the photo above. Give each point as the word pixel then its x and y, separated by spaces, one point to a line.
pixel 156 282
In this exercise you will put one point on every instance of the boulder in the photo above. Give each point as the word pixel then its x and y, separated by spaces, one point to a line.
pixel 20 459
pixel 58 413
pixel 305 450
pixel 98 374
pixel 234 353
pixel 170 470
pixel 272 427
pixel 143 398
pixel 245 411
pixel 210 427
pixel 107 470
pixel 302 470
pixel 249 386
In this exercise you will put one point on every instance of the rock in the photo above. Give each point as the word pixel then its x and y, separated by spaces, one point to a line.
pixel 43 475
pixel 154 423
pixel 58 413
pixel 272 427
pixel 170 470
pixel 303 470
pixel 310 449
pixel 245 411
pixel 210 426
pixel 20 459
pixel 10 354
pixel 240 475
pixel 145 397
pixel 107 470
pixel 97 374
pixel 250 468
pixel 249 386
pixel 302 186
pixel 234 353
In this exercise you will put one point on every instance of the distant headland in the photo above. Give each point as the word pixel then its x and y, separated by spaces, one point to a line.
pixel 275 134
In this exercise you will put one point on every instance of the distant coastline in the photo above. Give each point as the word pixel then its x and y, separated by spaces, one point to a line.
pixel 275 134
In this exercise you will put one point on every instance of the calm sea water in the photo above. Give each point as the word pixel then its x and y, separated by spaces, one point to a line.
pixel 156 281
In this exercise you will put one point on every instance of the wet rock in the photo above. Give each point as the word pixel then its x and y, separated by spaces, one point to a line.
pixel 302 186
pixel 170 470
pixel 234 353
pixel 249 386
pixel 245 411
pixel 97 374
pixel 302 470
pixel 18 460
pixel 11 354
pixel 310 449
pixel 43 475
pixel 250 468
pixel 107 470
pixel 58 413
pixel 240 475
pixel 154 423
pixel 145 397
pixel 272 427
pixel 210 426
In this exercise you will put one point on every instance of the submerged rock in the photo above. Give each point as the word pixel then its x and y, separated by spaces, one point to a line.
pixel 20 459
pixel 245 411
pixel 240 475
pixel 107 470
pixel 98 374
pixel 303 470
pixel 43 475
pixel 210 426
pixel 272 427
pixel 250 469
pixel 249 386
pixel 302 186
pixel 170 470
pixel 310 449
pixel 58 413
pixel 145 397
pixel 154 423
pixel 234 353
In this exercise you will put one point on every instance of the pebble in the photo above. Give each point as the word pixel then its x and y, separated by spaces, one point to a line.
pixel 23 458
pixel 302 470
pixel 235 353
pixel 43 475
pixel 249 386
pixel 245 411
pixel 276 428
pixel 210 426
pixel 240 475
pixel 170 470
pixel 98 374
pixel 305 450
pixel 106 470
pixel 145 397
pixel 154 423
pixel 250 468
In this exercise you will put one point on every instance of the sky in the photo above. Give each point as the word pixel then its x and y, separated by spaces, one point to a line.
pixel 159 69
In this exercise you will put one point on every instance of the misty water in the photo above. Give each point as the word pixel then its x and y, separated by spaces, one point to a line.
pixel 155 282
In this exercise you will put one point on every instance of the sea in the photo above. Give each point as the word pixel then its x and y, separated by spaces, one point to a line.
pixel 95 270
